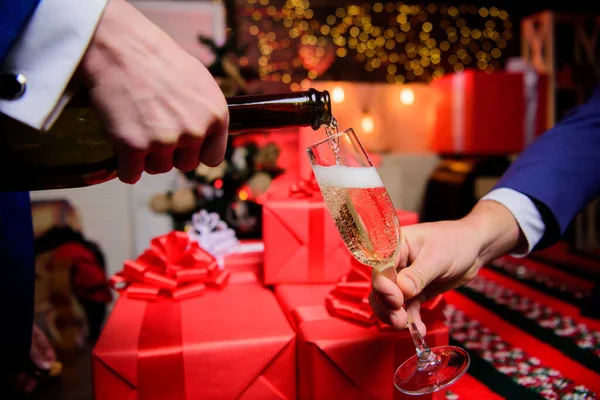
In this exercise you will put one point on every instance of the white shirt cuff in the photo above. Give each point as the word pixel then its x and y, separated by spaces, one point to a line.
pixel 525 212
pixel 47 53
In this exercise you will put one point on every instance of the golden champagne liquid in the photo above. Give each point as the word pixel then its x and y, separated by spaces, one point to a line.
pixel 362 211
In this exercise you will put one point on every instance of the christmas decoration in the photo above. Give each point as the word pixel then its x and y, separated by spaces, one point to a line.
pixel 401 42
pixel 230 67
pixel 233 190
pixel 213 235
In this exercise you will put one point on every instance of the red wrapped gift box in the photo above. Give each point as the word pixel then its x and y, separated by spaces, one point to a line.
pixel 339 359
pixel 233 343
pixel 480 113
pixel 249 258
pixel 302 244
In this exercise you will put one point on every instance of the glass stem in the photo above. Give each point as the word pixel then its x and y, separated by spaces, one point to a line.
pixel 424 353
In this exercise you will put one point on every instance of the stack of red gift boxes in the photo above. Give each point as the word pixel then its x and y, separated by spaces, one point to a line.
pixel 292 323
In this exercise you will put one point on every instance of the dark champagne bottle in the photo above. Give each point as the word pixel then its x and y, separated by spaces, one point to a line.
pixel 75 152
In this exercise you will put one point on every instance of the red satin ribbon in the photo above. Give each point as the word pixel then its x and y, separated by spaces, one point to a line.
pixel 309 189
pixel 349 299
pixel 305 188
pixel 316 240
pixel 174 267
pixel 161 372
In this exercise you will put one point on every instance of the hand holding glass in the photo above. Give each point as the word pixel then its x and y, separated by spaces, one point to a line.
pixel 367 221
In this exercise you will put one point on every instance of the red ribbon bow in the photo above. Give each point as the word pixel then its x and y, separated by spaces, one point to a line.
pixel 305 187
pixel 350 298
pixel 173 267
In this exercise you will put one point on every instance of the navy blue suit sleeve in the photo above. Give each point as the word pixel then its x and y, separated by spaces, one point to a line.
pixel 560 171
pixel 17 278
pixel 14 15
pixel 17 259
pixel 16 231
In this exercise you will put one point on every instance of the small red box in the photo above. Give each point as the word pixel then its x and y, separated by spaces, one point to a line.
pixel 302 244
pixel 481 114
pixel 338 359
pixel 230 344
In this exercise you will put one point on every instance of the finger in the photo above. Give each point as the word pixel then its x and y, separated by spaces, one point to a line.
pixel 413 279
pixel 160 159
pixel 390 300
pixel 396 318
pixel 187 156
pixel 381 313
pixel 131 164
pixel 413 309
pixel 388 292
pixel 215 144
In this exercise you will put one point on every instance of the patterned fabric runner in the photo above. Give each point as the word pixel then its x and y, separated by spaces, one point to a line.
pixel 575 264
pixel 574 339
pixel 520 321
pixel 571 290
pixel 532 378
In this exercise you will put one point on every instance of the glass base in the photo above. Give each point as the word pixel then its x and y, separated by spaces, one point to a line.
pixel 445 366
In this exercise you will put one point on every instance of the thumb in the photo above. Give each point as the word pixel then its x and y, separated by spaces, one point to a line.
pixel 413 279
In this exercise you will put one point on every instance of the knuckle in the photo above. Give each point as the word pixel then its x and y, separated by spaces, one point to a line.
pixel 134 140
pixel 418 276
pixel 167 137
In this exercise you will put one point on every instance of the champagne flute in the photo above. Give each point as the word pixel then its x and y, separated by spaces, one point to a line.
pixel 368 224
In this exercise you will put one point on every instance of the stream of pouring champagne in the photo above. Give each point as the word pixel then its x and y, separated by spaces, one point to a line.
pixel 76 153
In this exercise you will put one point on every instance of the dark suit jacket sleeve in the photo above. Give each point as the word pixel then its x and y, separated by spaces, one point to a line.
pixel 14 15
pixel 560 171
pixel 16 231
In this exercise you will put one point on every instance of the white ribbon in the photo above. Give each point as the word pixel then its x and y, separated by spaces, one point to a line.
pixel 530 95
pixel 213 235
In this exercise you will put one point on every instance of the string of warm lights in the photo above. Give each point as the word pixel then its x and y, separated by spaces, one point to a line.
pixel 408 42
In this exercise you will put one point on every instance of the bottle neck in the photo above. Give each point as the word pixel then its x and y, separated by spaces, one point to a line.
pixel 275 111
